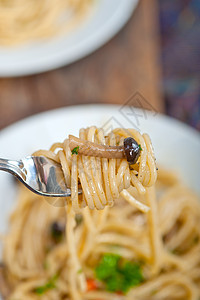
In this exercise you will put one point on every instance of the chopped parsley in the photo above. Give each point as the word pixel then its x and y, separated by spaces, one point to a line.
pixel 51 284
pixel 118 275
pixel 75 150
pixel 80 271
pixel 140 147
pixel 174 251
pixel 79 219
pixel 153 292
pixel 45 265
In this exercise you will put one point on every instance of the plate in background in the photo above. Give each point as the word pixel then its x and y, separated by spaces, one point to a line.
pixel 176 145
pixel 108 18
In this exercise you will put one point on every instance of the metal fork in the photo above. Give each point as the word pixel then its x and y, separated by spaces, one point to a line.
pixel 41 175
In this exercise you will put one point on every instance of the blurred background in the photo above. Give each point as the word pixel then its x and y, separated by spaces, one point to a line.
pixel 156 54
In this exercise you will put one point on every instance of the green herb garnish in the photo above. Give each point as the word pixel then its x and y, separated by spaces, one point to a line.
pixel 174 251
pixel 118 275
pixel 75 150
pixel 80 271
pixel 45 265
pixel 51 284
pixel 153 292
pixel 140 147
pixel 79 219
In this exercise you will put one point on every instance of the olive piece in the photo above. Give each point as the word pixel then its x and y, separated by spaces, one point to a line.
pixel 131 149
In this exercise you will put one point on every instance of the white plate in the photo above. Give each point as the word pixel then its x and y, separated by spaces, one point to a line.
pixel 176 145
pixel 108 18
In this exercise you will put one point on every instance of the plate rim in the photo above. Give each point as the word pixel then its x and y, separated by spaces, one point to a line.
pixel 97 106
pixel 81 108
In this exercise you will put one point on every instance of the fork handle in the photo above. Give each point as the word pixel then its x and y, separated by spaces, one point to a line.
pixel 12 166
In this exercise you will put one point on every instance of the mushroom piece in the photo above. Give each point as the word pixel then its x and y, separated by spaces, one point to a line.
pixel 130 150
pixel 57 230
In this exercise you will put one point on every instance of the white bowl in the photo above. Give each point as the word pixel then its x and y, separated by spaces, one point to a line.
pixel 108 18
pixel 176 145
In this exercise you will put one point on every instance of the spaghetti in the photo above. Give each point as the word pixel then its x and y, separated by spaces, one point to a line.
pixel 144 244
pixel 22 21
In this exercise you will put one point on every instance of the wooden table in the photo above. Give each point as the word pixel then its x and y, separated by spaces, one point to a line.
pixel 129 63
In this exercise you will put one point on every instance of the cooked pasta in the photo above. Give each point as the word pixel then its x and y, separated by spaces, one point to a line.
pixel 28 20
pixel 124 238
pixel 103 180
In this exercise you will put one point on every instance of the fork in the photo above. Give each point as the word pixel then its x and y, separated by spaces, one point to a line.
pixel 39 174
